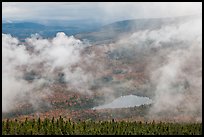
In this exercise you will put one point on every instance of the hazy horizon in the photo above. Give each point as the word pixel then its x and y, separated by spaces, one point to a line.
pixel 100 12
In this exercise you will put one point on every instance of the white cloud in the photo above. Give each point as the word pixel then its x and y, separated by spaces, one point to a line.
pixel 48 59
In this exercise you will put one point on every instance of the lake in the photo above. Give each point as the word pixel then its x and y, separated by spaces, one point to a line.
pixel 126 102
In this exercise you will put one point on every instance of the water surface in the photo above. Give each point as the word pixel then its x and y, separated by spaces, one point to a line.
pixel 126 102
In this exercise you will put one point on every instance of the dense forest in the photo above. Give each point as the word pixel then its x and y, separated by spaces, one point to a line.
pixel 68 127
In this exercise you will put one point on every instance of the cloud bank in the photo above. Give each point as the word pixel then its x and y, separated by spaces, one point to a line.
pixel 173 55
pixel 28 69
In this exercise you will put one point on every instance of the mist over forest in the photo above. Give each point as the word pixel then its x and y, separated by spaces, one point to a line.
pixel 47 64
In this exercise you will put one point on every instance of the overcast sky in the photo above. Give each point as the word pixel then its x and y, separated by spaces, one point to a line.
pixel 100 11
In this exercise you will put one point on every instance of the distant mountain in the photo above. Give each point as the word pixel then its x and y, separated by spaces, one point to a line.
pixel 23 30
pixel 114 31
pixel 23 25
pixel 87 29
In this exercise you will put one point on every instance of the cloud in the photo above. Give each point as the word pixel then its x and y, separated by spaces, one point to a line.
pixel 29 69
pixel 100 11
pixel 173 57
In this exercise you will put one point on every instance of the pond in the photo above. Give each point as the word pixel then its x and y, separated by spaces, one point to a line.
pixel 126 102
